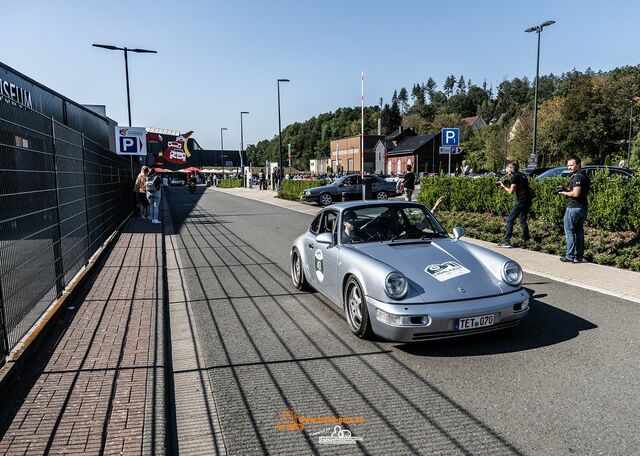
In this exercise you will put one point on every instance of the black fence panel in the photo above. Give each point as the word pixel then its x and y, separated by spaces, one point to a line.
pixel 62 193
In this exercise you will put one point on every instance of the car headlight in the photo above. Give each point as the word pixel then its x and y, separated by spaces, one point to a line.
pixel 512 273
pixel 396 285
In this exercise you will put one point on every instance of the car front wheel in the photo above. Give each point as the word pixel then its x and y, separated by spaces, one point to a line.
pixel 382 196
pixel 325 199
pixel 355 309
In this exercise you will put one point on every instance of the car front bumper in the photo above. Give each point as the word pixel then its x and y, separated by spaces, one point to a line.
pixel 309 198
pixel 508 309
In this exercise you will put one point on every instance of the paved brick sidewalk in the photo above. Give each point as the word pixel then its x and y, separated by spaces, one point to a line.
pixel 95 385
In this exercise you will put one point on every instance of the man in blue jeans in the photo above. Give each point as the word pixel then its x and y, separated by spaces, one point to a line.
pixel 576 212
pixel 519 185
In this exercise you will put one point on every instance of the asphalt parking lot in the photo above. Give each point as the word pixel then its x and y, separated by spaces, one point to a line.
pixel 564 382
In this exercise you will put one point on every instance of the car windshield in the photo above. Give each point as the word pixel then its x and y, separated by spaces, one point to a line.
pixel 393 222
pixel 555 172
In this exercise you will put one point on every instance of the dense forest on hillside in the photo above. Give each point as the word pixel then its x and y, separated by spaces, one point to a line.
pixel 587 113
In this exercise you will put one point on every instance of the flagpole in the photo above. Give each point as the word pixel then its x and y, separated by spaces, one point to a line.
pixel 362 124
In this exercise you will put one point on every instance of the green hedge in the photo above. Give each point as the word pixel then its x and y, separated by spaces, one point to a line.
pixel 229 183
pixel 613 202
pixel 292 189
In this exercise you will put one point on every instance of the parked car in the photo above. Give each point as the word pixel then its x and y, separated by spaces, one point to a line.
pixel 534 172
pixel 352 186
pixel 398 275
pixel 176 181
pixel 562 171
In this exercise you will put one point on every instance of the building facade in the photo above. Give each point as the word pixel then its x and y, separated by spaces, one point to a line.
pixel 345 154
pixel 422 152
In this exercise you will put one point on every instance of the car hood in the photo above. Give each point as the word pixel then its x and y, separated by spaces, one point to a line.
pixel 437 271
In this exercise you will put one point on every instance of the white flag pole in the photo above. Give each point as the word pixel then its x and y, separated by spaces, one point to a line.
pixel 362 123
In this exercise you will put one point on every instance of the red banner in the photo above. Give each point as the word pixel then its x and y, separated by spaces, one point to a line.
pixel 177 151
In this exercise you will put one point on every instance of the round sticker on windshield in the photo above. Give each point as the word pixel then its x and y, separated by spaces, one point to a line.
pixel 319 265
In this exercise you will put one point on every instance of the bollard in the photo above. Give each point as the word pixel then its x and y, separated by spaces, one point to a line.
pixel 367 191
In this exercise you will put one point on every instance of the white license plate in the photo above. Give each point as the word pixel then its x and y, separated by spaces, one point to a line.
pixel 475 322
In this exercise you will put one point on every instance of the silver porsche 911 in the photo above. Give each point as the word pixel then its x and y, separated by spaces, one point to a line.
pixel 397 273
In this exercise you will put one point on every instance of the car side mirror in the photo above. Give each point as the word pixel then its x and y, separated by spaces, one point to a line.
pixel 458 232
pixel 324 238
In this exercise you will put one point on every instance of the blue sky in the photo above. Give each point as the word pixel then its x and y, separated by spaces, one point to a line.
pixel 217 58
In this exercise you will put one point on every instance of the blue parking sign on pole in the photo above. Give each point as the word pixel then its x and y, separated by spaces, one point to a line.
pixel 450 136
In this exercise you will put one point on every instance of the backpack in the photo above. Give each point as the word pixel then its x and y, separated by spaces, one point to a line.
pixel 150 185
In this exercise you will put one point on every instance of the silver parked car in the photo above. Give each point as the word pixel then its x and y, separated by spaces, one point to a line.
pixel 397 274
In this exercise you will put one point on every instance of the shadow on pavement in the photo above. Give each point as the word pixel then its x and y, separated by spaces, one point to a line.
pixel 249 311
pixel 80 349
pixel 545 325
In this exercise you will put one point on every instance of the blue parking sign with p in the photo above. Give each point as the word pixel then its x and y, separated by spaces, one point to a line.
pixel 450 136
pixel 128 145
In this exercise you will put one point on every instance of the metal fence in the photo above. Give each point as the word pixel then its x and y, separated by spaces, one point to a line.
pixel 61 195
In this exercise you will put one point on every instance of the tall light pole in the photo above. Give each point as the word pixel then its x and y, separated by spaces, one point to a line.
pixel 242 141
pixel 280 161
pixel 538 29
pixel 126 70
pixel 126 66
pixel 222 146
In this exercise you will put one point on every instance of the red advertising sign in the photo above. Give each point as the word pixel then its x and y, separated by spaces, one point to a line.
pixel 177 151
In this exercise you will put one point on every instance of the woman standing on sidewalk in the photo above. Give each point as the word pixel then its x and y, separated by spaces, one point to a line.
pixel 140 188
pixel 154 182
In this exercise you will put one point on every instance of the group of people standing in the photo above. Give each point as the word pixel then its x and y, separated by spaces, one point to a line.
pixel 148 186
pixel 575 214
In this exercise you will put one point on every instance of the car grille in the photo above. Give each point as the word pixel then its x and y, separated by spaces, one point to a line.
pixel 447 334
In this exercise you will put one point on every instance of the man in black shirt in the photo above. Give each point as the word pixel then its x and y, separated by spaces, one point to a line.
pixel 409 181
pixel 519 185
pixel 576 212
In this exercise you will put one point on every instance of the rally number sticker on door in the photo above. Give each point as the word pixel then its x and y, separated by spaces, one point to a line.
pixel 319 265
pixel 445 271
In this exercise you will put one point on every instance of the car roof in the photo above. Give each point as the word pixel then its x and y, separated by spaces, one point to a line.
pixel 369 203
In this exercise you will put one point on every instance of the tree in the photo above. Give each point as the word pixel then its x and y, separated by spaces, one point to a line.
pixel 430 87
pixel 417 122
pixel 521 138
pixel 448 85
pixel 390 117
pixel 550 137
pixel 461 86
pixel 403 98
pixel 495 147
pixel 417 93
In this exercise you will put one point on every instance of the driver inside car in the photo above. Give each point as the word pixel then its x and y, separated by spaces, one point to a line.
pixel 350 233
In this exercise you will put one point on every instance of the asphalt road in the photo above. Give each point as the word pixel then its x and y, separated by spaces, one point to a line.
pixel 564 382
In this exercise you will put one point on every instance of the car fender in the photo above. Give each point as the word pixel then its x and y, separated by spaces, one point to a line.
pixel 369 272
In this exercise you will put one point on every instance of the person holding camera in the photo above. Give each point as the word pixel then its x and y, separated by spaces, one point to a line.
pixel 520 186
pixel 576 212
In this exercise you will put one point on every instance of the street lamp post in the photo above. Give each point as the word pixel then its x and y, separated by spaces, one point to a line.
pixel 538 29
pixel 242 141
pixel 126 70
pixel 280 160
pixel 222 146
